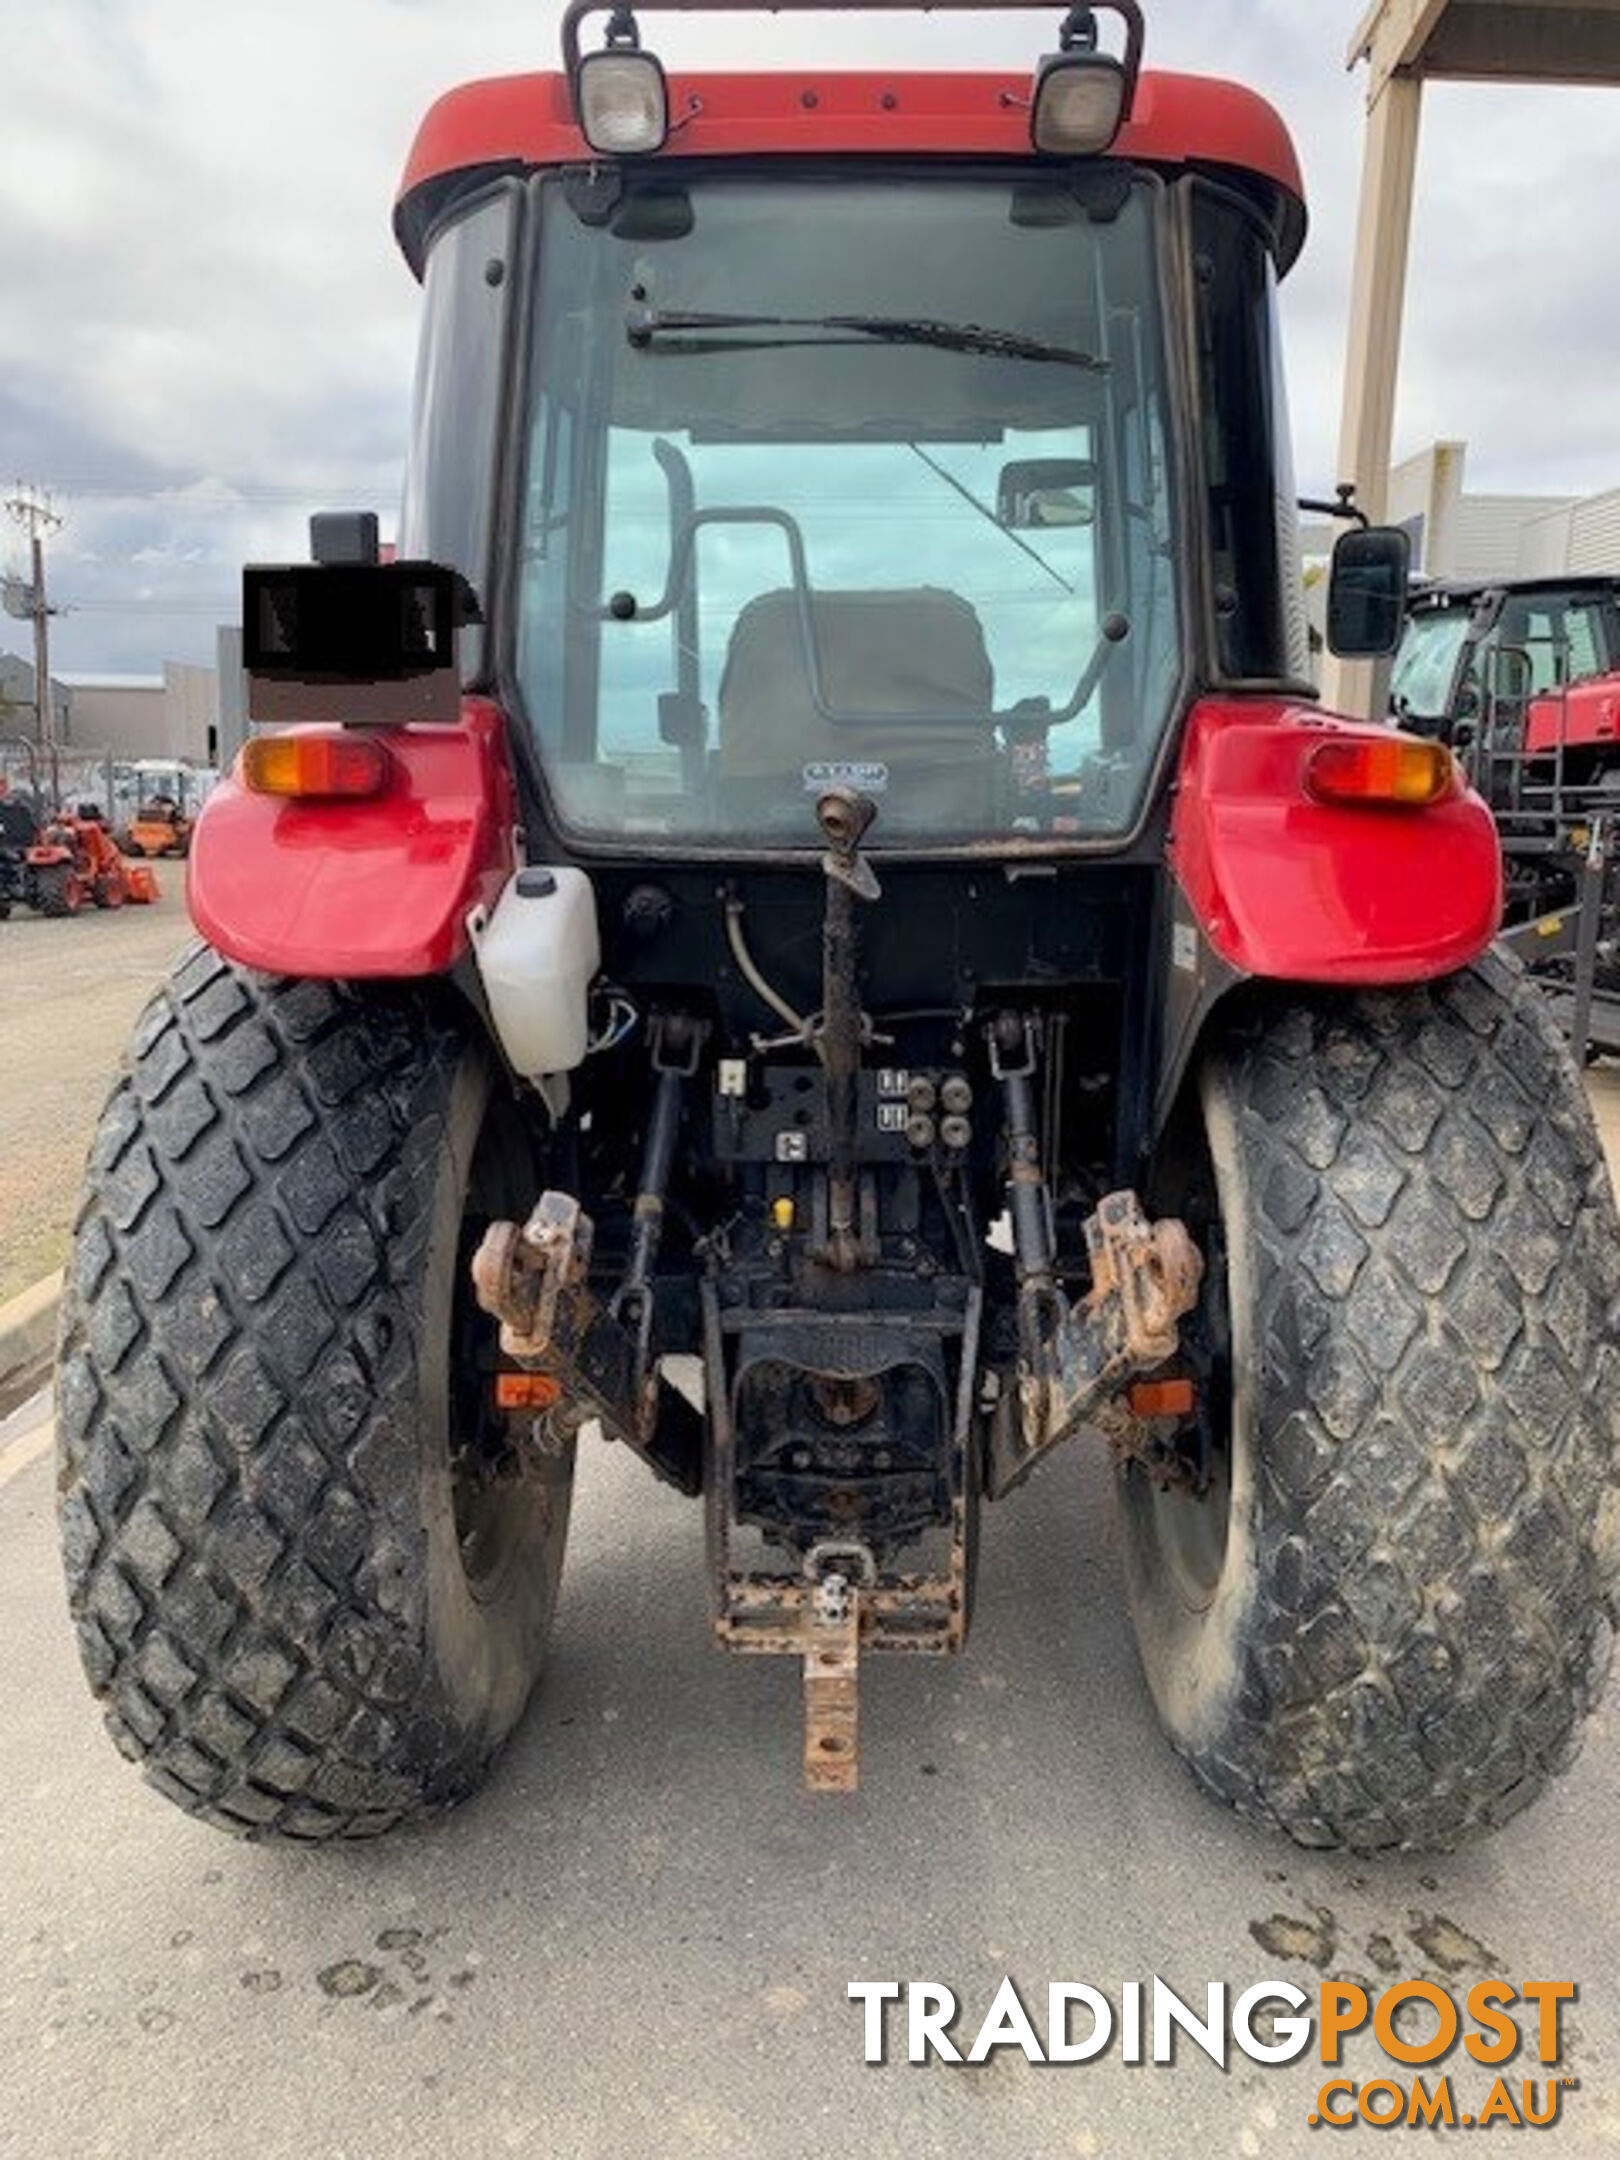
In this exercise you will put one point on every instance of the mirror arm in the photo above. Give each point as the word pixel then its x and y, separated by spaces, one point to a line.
pixel 1345 507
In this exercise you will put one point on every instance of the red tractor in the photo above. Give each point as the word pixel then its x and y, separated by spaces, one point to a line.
pixel 1522 679
pixel 811 925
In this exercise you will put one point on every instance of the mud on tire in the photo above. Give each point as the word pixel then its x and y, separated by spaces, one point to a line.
pixel 1393 1632
pixel 264 1539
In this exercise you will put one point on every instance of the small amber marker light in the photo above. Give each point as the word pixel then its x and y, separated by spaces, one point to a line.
pixel 314 764
pixel 526 1391
pixel 1402 770
pixel 1163 1398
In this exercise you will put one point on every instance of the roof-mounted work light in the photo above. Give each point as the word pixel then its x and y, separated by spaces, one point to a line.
pixel 1080 100
pixel 620 93
pixel 1083 96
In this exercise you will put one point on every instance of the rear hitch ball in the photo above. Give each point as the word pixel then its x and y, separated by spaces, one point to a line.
pixel 832 1649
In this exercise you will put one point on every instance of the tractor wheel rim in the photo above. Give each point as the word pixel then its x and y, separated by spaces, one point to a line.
pixel 488 1484
pixel 1192 1530
pixel 1193 1533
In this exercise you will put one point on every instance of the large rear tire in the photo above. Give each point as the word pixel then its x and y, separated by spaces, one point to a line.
pixel 1386 1620
pixel 312 1584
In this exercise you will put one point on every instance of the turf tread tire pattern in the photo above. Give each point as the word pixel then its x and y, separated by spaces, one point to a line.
pixel 240 1503
pixel 1436 1429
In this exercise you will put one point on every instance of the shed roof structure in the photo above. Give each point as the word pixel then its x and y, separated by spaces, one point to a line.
pixel 1405 43
pixel 1555 41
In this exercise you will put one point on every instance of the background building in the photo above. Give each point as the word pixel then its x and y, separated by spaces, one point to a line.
pixel 19 710
pixel 1459 535
pixel 172 715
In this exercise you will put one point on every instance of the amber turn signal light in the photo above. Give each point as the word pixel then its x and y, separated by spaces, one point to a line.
pixel 1399 769
pixel 317 763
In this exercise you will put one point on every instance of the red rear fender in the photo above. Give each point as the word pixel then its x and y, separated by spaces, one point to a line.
pixel 377 886
pixel 1302 891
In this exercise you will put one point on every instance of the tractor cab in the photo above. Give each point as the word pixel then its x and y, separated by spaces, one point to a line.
pixel 1476 651
pixel 925 432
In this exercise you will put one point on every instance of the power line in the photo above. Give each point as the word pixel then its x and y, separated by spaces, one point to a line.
pixel 236 497
pixel 225 608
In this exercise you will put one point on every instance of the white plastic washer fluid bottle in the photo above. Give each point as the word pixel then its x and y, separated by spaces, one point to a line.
pixel 537 955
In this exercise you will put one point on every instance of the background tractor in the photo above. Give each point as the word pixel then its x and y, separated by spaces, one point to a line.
pixel 57 862
pixel 72 863
pixel 159 827
pixel 19 827
pixel 164 798
pixel 811 924
pixel 1523 679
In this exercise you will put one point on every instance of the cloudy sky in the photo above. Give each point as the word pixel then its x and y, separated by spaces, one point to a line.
pixel 205 331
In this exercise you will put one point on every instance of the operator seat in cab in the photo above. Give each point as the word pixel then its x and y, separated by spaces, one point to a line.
pixel 907 692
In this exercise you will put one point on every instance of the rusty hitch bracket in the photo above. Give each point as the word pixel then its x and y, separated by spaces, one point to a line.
pixel 773 1613
pixel 1075 1360
pixel 535 1279
pixel 832 1653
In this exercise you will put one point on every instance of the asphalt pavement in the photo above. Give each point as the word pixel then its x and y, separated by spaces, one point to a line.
pixel 638 1940
pixel 70 991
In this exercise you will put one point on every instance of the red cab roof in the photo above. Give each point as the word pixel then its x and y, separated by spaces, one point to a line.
pixel 516 122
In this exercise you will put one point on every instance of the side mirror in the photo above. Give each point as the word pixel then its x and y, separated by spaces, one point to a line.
pixel 1366 612
pixel 1040 494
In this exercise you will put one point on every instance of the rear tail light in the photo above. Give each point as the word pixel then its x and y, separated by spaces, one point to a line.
pixel 1401 770
pixel 315 765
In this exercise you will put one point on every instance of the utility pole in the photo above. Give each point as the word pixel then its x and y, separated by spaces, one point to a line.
pixel 32 510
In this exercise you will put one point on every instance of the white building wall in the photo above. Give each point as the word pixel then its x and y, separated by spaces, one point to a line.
pixel 191 711
pixel 123 716
pixel 1544 544
pixel 1425 495
pixel 1490 533
pixel 1499 536
pixel 160 716
pixel 19 709
pixel 1594 540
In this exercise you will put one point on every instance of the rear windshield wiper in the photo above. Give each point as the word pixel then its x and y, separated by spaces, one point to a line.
pixel 643 324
